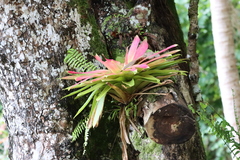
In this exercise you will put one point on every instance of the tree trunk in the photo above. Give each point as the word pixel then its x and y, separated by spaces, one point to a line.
pixel 228 76
pixel 157 20
pixel 34 36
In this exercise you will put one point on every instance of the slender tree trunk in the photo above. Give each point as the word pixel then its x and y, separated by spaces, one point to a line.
pixel 228 76
pixel 166 15
pixel 34 36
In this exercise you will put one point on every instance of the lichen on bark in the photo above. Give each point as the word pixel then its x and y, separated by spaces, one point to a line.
pixel 35 36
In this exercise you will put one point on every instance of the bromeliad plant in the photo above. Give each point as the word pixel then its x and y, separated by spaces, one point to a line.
pixel 123 81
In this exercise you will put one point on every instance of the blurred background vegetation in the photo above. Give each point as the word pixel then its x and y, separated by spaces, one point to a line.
pixel 3 137
pixel 215 148
pixel 208 82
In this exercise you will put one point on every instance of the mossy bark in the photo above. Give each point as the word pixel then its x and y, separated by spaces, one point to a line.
pixel 34 38
pixel 160 24
pixel 103 142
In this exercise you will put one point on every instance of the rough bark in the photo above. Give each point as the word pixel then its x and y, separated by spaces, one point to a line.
pixel 166 17
pixel 158 21
pixel 192 48
pixel 227 70
pixel 34 36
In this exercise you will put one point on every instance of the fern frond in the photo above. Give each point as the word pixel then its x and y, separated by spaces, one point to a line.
pixel 81 126
pixel 77 61
pixel 79 129
pixel 86 135
pixel 221 128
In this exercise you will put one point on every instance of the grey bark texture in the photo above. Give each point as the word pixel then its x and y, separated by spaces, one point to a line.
pixel 34 36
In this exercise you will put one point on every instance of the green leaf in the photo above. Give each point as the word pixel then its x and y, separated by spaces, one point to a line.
pixel 77 91
pixel 129 83
pixel 95 87
pixel 124 76
pixel 148 78
pixel 128 75
pixel 86 103
pixel 96 111
pixel 82 85
pixel 172 57
pixel 156 63
pixel 113 79
pixel 157 72
pixel 90 119
pixel 168 64
pixel 140 85
pixel 103 93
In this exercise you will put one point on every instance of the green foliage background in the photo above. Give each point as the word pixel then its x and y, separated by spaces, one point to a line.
pixel 215 147
pixel 3 135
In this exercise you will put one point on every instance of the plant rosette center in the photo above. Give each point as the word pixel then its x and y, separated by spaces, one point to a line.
pixel 123 81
